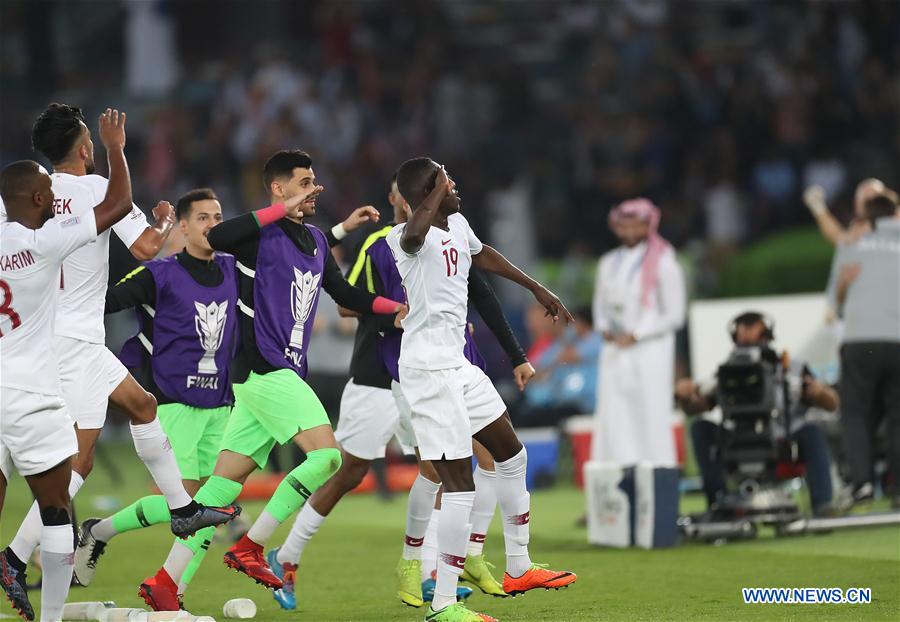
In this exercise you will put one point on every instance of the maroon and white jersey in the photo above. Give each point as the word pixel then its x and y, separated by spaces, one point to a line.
pixel 30 261
pixel 436 280
pixel 85 272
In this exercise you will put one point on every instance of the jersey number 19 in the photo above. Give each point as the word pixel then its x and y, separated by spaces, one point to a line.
pixel 451 258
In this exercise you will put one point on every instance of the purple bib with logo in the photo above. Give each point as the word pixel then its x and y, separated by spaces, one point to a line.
pixel 285 297
pixel 194 334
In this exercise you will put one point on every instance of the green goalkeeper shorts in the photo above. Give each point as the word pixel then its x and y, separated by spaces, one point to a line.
pixel 271 408
pixel 195 435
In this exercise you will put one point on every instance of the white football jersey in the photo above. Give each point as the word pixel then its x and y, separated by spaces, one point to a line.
pixel 30 260
pixel 436 280
pixel 85 273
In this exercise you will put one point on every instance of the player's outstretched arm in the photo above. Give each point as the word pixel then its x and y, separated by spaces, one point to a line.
pixel 375 285
pixel 420 222
pixel 490 260
pixel 117 202
pixel 354 298
pixel 151 241
pixel 829 227
pixel 488 306
pixel 229 235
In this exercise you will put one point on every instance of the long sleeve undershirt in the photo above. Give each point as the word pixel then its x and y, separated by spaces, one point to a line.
pixel 485 301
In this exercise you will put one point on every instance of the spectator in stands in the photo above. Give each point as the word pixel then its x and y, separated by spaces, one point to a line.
pixel 865 290
pixel 620 105
pixel 566 379
pixel 541 332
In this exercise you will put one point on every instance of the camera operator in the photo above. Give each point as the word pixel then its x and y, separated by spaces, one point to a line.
pixel 755 329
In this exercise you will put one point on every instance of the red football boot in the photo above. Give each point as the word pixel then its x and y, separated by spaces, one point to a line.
pixel 160 592
pixel 247 556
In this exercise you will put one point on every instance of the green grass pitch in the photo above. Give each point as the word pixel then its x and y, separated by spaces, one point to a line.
pixel 348 569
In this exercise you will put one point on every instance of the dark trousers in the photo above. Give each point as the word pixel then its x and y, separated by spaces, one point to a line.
pixel 870 391
pixel 811 443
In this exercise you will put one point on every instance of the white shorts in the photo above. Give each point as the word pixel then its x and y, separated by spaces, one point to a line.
pixel 448 407
pixel 88 373
pixel 405 434
pixel 368 421
pixel 36 432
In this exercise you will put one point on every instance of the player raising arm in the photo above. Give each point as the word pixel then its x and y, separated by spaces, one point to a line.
pixel 452 400
pixel 373 411
pixel 36 433
pixel 90 375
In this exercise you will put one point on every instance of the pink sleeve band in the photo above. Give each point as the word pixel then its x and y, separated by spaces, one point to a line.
pixel 384 306
pixel 268 215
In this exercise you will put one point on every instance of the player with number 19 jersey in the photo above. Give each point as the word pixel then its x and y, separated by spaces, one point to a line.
pixel 436 280
pixel 450 398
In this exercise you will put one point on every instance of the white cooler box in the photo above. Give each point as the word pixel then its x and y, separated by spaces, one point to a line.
pixel 631 505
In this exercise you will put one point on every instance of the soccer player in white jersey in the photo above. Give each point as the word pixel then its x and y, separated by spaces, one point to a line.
pixel 89 373
pixel 36 433
pixel 452 400
pixel 373 411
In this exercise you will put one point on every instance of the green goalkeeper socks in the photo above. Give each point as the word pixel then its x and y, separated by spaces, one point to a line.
pixel 144 512
pixel 152 510
pixel 299 484
pixel 293 491
pixel 218 492
pixel 199 544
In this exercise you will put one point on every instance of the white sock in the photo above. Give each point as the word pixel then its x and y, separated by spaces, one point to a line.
pixel 305 526
pixel 57 563
pixel 29 534
pixel 430 546
pixel 177 561
pixel 263 528
pixel 453 533
pixel 418 512
pixel 482 510
pixel 514 504
pixel 154 450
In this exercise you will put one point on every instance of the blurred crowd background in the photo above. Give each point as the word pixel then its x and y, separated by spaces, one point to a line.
pixel 547 113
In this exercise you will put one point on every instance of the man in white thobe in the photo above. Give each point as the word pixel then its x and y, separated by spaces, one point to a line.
pixel 639 303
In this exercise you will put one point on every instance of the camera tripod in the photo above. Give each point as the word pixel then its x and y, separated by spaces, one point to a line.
pixel 739 516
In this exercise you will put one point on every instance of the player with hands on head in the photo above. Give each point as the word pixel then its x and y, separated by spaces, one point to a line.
pixel 451 400
pixel 373 411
